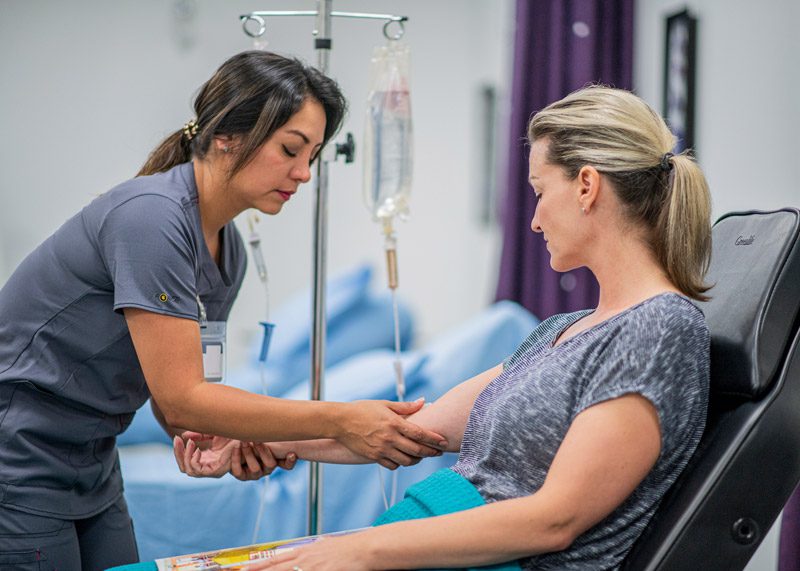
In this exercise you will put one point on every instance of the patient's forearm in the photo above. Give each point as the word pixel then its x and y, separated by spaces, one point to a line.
pixel 320 450
pixel 485 535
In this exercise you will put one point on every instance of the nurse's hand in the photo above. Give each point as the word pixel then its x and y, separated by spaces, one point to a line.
pixel 377 430
pixel 254 460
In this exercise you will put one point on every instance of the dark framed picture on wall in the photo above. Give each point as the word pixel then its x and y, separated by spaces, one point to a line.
pixel 679 78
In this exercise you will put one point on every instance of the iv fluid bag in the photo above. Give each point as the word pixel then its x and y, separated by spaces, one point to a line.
pixel 388 134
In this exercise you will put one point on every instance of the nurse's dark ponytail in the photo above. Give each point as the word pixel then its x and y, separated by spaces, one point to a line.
pixel 251 95
pixel 172 151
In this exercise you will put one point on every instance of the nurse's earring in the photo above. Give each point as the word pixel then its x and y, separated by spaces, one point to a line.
pixel 224 144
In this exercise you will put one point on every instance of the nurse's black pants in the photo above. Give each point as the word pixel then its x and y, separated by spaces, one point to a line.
pixel 35 543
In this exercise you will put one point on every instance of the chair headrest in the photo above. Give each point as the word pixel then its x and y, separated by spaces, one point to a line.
pixel 755 270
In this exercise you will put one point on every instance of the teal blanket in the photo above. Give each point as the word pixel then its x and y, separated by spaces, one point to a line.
pixel 442 492
pixel 147 566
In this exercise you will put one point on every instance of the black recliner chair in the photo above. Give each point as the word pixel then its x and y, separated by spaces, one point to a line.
pixel 748 462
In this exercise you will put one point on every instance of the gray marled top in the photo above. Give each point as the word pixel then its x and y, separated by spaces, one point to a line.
pixel 658 349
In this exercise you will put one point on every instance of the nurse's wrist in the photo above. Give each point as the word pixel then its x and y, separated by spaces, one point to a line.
pixel 336 421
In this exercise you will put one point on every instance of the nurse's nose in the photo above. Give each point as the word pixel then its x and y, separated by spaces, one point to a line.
pixel 301 172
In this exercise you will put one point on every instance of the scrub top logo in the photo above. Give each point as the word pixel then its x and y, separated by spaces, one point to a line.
pixel 164 297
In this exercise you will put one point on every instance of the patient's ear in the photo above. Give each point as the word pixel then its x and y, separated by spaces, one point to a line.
pixel 588 187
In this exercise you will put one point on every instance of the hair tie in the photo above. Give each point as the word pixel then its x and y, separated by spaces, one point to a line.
pixel 666 164
pixel 190 129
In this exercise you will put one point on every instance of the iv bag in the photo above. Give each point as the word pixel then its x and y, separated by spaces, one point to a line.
pixel 388 136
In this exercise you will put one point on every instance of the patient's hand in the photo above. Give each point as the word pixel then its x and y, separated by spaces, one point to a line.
pixel 208 456
pixel 344 553
pixel 203 455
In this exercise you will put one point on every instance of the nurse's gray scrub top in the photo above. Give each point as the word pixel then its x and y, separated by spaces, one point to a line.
pixel 70 380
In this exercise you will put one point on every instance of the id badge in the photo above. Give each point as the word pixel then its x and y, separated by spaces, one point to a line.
pixel 212 335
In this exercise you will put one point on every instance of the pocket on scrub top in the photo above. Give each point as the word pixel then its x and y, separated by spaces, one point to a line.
pixel 50 419
pixel 25 560
pixel 47 442
pixel 20 530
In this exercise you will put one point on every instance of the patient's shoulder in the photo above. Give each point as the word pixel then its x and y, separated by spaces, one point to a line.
pixel 665 331
pixel 668 314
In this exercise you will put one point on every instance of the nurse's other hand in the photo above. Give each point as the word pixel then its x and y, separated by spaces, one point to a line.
pixel 202 455
pixel 378 430
pixel 254 460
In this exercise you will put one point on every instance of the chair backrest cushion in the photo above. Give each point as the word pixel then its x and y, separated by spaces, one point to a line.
pixel 755 270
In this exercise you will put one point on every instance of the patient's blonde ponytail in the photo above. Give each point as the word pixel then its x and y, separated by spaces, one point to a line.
pixel 624 139
pixel 682 238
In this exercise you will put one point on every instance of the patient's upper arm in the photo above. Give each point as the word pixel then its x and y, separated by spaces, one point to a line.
pixel 448 415
pixel 608 450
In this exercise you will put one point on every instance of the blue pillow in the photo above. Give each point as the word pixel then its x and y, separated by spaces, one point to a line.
pixel 368 375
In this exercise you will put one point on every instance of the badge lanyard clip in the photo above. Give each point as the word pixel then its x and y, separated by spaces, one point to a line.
pixel 213 338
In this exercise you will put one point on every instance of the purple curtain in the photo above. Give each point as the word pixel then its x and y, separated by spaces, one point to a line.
pixel 789 559
pixel 560 46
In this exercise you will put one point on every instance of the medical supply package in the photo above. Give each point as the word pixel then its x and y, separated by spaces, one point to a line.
pixel 237 557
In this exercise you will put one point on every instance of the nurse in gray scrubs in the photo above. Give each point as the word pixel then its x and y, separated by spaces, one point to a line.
pixel 107 313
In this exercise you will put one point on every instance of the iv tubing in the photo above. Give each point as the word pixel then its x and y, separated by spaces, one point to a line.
pixel 262 500
pixel 258 258
pixel 390 245
pixel 400 382
pixel 398 365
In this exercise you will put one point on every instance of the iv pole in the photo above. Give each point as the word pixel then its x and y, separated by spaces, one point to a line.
pixel 323 45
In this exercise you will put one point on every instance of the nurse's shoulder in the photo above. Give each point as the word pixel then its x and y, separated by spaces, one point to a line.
pixel 145 202
pixel 175 185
